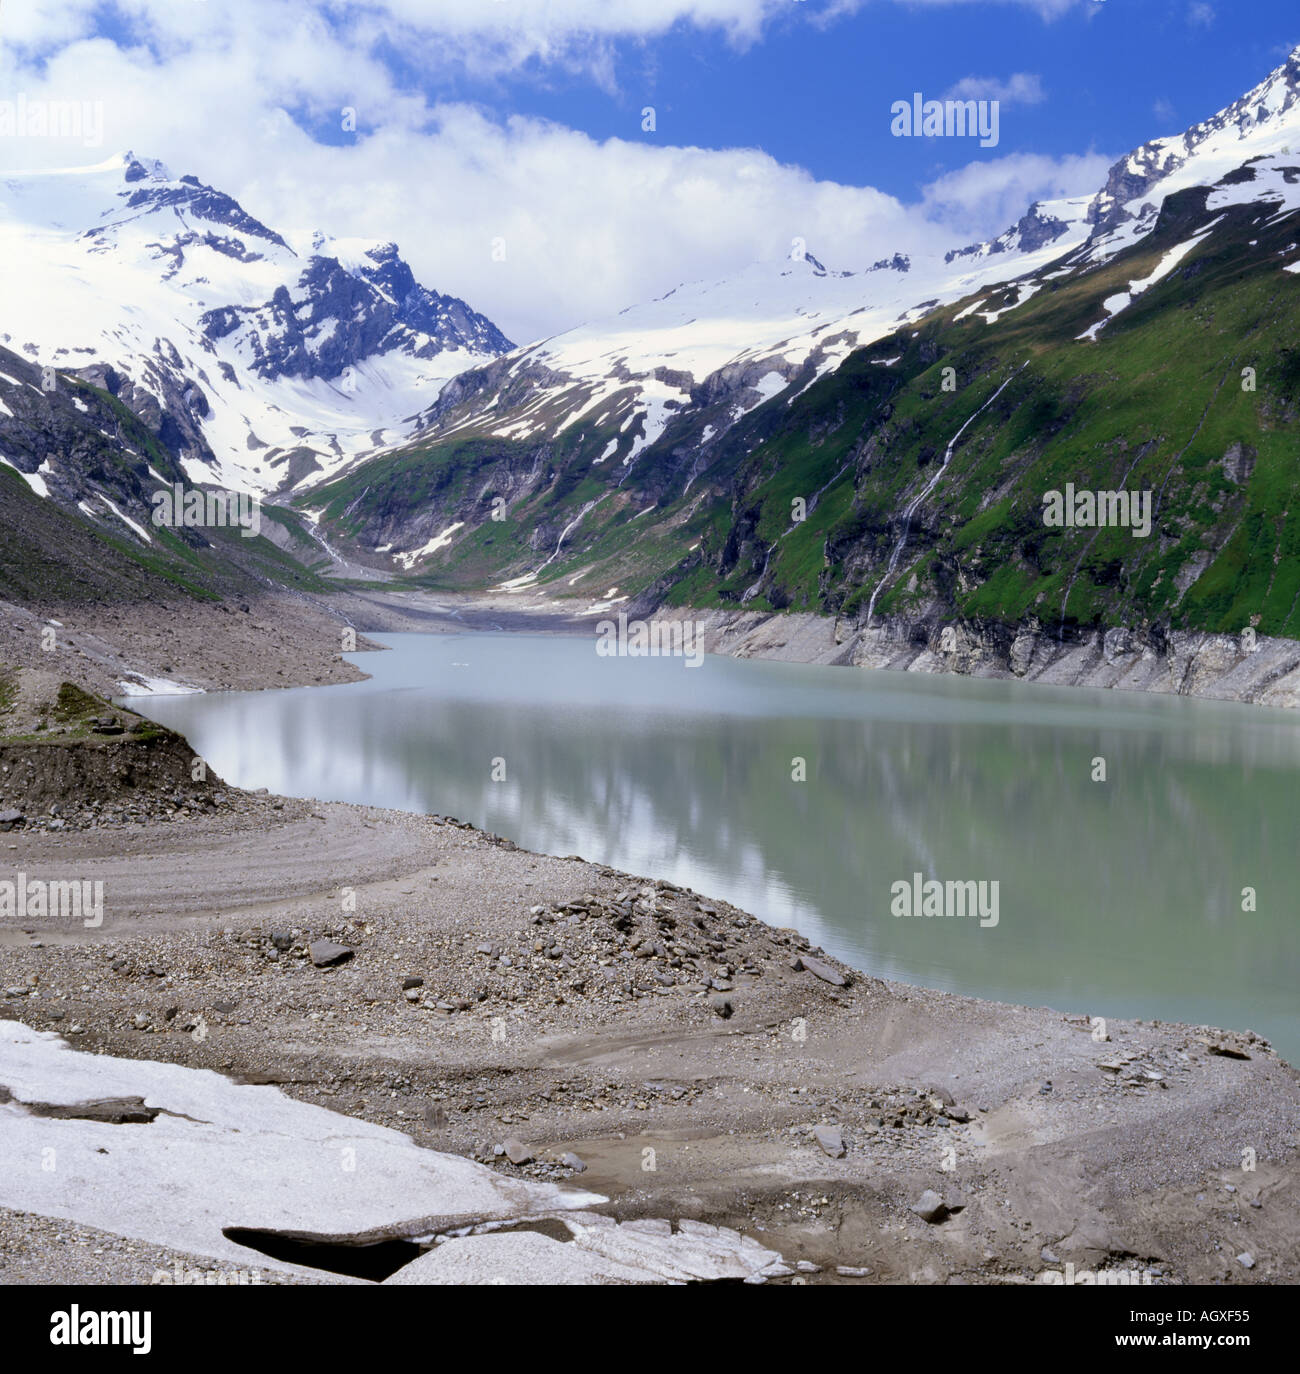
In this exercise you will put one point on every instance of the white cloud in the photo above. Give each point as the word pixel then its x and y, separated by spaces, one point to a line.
pixel 1200 15
pixel 1048 9
pixel 480 33
pixel 987 197
pixel 1020 89
pixel 589 226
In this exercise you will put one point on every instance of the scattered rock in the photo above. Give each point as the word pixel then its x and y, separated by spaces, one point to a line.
pixel 930 1207
pixel 572 1161
pixel 831 1139
pixel 517 1152
pixel 1246 1260
pixel 327 954
pixel 823 971
pixel 1221 1047
pixel 409 983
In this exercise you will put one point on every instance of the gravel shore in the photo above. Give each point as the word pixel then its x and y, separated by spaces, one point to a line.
pixel 683 1058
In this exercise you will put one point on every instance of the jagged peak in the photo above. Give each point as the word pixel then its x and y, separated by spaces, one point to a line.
pixel 143 168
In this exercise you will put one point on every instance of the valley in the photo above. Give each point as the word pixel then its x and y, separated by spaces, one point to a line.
pixel 344 651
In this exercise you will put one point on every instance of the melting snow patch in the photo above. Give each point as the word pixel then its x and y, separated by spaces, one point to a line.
pixel 597 607
pixel 221 1157
pixel 1023 293
pixel 601 1250
pixel 140 686
pixel 770 384
pixel 210 1167
pixel 1113 305
pixel 127 521
pixel 439 541
pixel 33 479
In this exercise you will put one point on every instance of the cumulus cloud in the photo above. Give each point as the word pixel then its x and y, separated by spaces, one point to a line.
pixel 251 99
pixel 1020 89
pixel 481 33
pixel 990 196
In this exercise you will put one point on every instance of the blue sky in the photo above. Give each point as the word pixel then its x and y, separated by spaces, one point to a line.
pixel 518 122
pixel 1114 73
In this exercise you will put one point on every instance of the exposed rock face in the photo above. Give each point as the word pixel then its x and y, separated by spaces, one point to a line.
pixel 1036 229
pixel 195 315
pixel 335 319
pixel 1256 669
pixel 157 192
pixel 1132 176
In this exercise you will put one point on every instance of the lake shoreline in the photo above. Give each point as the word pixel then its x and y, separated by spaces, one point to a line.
pixel 779 1092
pixel 810 1109
pixel 1250 669
pixel 284 641
pixel 1205 666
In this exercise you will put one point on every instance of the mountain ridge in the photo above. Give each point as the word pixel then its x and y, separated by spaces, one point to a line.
pixel 652 482
pixel 301 356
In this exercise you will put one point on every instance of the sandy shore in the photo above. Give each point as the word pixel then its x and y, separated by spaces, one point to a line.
pixel 578 1009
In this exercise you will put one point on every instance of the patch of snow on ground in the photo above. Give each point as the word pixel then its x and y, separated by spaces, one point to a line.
pixel 33 479
pixel 439 541
pixel 140 686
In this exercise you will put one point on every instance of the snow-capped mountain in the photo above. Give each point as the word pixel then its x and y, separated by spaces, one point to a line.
pixel 751 336
pixel 268 357
pixel 1264 122
pixel 745 339
pixel 617 419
